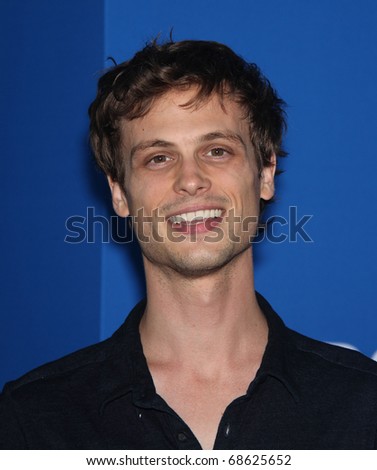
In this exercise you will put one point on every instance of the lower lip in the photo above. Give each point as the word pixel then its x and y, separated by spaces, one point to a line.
pixel 203 226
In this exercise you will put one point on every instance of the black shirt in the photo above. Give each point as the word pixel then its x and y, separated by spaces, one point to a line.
pixel 306 395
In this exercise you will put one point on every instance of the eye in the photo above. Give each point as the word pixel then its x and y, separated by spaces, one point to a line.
pixel 159 160
pixel 218 152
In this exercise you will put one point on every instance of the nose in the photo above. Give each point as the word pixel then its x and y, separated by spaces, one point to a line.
pixel 191 178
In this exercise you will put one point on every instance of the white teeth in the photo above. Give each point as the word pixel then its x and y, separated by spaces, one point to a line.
pixel 196 215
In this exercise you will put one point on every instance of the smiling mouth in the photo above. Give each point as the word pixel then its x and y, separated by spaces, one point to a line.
pixel 195 216
pixel 207 219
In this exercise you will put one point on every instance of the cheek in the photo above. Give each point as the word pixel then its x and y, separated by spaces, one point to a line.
pixel 133 197
pixel 136 202
pixel 144 195
pixel 246 186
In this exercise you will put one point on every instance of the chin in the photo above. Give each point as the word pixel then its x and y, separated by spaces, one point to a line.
pixel 196 262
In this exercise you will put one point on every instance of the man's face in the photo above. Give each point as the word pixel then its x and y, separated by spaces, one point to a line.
pixel 192 183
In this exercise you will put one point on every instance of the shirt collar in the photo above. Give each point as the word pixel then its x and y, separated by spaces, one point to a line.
pixel 134 376
pixel 278 358
pixel 128 358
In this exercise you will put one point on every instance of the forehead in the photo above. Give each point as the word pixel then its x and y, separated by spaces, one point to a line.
pixel 176 114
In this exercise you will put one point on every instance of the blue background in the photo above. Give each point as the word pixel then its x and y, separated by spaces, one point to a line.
pixel 321 56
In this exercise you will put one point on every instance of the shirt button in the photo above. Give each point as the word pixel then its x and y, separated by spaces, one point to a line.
pixel 227 430
pixel 182 437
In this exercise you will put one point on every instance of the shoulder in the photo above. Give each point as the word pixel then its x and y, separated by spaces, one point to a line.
pixel 94 361
pixel 59 404
pixel 45 391
pixel 337 362
pixel 50 405
pixel 86 375
pixel 82 360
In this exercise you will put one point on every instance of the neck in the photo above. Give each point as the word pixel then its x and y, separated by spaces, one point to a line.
pixel 215 317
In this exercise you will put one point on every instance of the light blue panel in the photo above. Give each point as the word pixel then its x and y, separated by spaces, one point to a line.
pixel 321 56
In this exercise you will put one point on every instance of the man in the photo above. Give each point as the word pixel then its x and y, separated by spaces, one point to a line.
pixel 188 135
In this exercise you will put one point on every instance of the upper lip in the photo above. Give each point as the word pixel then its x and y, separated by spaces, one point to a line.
pixel 194 208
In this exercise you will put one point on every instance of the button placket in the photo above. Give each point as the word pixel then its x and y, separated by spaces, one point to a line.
pixel 182 437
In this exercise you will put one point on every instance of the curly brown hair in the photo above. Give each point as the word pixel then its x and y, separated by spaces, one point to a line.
pixel 127 91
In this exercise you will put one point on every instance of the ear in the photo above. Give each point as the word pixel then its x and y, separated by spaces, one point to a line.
pixel 119 199
pixel 267 190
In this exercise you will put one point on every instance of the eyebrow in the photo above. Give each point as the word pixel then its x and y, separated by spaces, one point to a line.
pixel 150 144
pixel 232 136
